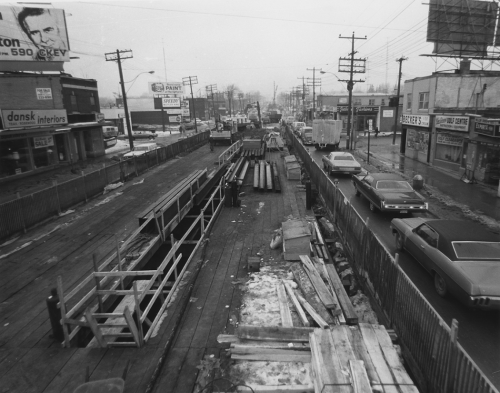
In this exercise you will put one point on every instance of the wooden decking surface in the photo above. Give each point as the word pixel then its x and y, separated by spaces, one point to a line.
pixel 31 361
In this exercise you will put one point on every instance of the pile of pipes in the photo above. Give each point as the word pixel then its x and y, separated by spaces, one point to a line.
pixel 234 180
pixel 266 176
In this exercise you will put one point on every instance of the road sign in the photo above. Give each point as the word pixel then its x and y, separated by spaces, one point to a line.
pixel 174 119
pixel 173 111
pixel 171 102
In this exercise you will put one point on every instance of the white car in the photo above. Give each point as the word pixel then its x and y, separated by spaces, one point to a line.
pixel 139 150
pixel 341 162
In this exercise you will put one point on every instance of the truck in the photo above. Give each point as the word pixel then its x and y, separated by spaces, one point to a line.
pixel 326 134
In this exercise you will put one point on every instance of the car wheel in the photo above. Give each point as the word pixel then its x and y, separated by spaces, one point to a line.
pixel 440 285
pixel 356 191
pixel 399 241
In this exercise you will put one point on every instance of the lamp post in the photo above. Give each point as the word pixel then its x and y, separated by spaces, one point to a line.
pixel 133 80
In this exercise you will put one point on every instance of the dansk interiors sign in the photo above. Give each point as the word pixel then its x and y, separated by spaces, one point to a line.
pixel 17 118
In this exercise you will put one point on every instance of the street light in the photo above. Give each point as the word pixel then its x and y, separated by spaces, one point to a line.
pixel 133 80
pixel 325 72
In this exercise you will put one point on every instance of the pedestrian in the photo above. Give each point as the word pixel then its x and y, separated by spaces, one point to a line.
pixel 376 132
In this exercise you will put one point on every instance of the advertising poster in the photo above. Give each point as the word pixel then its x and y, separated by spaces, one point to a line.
pixel 33 34
pixel 157 88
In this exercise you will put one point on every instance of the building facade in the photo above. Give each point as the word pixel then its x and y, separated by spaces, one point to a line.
pixel 47 120
pixel 450 120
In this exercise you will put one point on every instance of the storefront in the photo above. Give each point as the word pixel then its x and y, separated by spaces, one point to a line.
pixel 484 150
pixel 417 136
pixel 451 134
pixel 364 118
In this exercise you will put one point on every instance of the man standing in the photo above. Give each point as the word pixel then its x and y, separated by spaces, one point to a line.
pixel 42 29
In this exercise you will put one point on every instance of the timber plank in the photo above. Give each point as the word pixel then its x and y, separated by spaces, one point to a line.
pixel 321 289
pixel 273 333
pixel 286 316
pixel 189 371
pixel 9 358
pixel 106 367
pixel 273 357
pixel 167 380
pixel 360 380
pixel 296 303
pixel 347 307
pixel 310 293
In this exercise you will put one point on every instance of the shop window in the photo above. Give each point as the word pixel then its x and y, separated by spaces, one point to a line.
pixel 43 150
pixel 357 101
pixel 423 101
pixel 62 153
pixel 92 99
pixel 408 102
pixel 371 102
pixel 382 102
pixel 489 162
pixel 14 157
pixel 74 104
pixel 448 152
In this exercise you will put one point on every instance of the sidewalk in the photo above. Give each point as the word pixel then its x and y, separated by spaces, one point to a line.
pixel 477 199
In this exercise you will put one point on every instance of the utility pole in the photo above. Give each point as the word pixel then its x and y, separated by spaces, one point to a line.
pixel 303 94
pixel 211 88
pixel 350 84
pixel 191 80
pixel 400 60
pixel 314 90
pixel 118 56
pixel 229 98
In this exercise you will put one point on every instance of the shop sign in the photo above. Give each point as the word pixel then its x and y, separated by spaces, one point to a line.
pixel 343 100
pixel 174 119
pixel 455 123
pixel 43 93
pixel 165 88
pixel 14 118
pixel 185 112
pixel 446 139
pixel 43 141
pixel 174 111
pixel 416 120
pixel 388 113
pixel 365 109
pixel 99 117
pixel 171 102
pixel 487 129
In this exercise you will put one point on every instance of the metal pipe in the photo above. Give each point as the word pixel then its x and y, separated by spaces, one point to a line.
pixel 256 176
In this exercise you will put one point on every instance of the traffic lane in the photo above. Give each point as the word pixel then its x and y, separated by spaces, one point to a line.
pixel 479 331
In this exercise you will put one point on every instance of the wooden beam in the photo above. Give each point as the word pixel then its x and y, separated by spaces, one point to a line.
pixel 360 379
pixel 321 267
pixel 312 312
pixel 286 316
pixel 271 357
pixel 296 303
pixel 321 289
pixel 273 333
pixel 345 303
pixel 95 329
pixel 276 389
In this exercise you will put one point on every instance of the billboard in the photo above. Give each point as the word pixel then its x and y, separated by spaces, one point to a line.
pixel 461 27
pixel 171 102
pixel 16 118
pixel 156 88
pixel 33 34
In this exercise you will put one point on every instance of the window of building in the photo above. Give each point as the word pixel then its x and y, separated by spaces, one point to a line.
pixel 44 152
pixel 408 102
pixel 92 99
pixel 371 101
pixel 74 104
pixel 357 101
pixel 382 102
pixel 448 148
pixel 14 157
pixel 423 101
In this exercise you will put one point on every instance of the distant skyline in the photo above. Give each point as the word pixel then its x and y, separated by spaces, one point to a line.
pixel 249 44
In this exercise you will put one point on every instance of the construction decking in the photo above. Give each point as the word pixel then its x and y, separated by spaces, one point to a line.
pixel 30 360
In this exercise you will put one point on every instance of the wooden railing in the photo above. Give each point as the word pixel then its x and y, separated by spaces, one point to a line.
pixel 439 363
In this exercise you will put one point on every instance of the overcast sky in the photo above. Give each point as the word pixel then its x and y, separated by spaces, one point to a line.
pixel 251 44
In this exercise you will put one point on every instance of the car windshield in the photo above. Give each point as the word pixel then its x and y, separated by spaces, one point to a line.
pixel 477 250
pixel 393 185
pixel 344 158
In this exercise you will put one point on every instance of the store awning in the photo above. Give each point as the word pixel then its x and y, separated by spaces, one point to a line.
pixel 25 132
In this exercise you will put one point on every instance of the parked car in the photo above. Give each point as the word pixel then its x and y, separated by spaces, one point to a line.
pixel 297 125
pixel 341 162
pixel 463 257
pixel 388 192
pixel 306 135
pixel 140 135
pixel 139 150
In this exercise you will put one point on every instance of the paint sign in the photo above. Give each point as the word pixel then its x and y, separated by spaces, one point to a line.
pixel 44 93
pixel 165 88
pixel 174 119
pixel 388 113
pixel 171 102
pixel 43 141
pixel 14 118
pixel 454 123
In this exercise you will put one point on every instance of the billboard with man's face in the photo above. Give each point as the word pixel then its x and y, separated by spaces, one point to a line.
pixel 33 34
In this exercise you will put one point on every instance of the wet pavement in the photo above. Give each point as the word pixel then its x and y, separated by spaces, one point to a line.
pixel 479 198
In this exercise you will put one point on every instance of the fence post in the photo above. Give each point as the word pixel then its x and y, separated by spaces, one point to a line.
pixel 84 186
pixel 54 183
pixel 452 358
pixel 21 212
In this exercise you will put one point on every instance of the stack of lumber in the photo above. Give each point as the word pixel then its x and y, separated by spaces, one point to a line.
pixel 253 148
pixel 318 246
pixel 357 359
pixel 266 177
pixel 292 168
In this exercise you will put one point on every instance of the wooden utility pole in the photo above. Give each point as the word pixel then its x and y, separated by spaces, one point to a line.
pixel 191 80
pixel 118 56
pixel 350 83
pixel 314 90
pixel 400 60
pixel 211 88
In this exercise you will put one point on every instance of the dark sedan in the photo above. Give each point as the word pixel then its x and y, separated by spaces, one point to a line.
pixel 462 256
pixel 388 192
